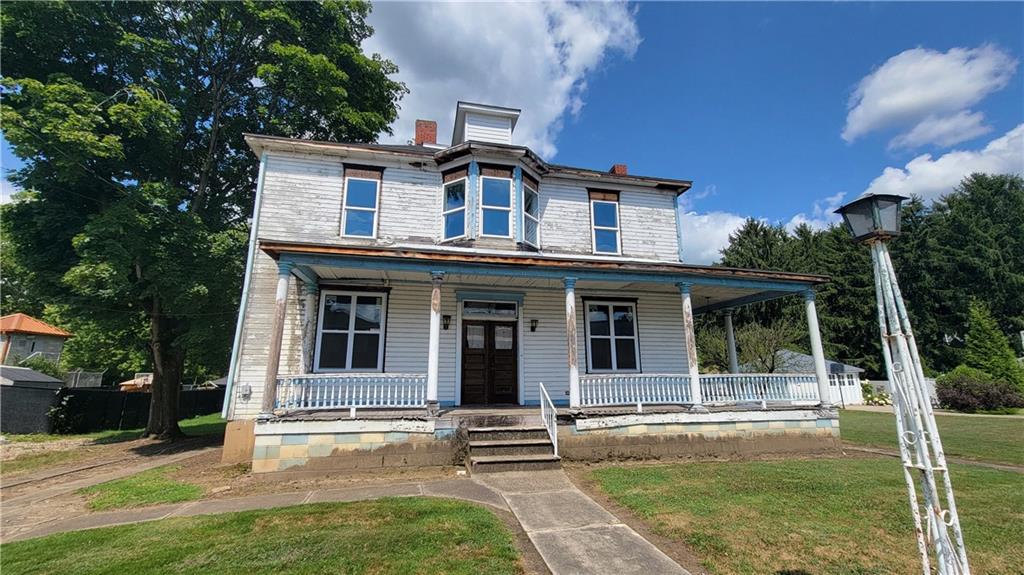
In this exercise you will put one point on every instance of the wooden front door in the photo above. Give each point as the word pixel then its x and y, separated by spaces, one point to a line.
pixel 489 370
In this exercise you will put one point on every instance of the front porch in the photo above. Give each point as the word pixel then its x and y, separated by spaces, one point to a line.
pixel 366 353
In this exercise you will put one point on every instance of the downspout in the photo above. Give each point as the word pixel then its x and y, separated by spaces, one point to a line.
pixel 249 262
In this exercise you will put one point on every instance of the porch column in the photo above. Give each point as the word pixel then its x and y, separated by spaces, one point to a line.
pixel 284 272
pixel 816 350
pixel 570 342
pixel 691 344
pixel 434 345
pixel 310 311
pixel 730 339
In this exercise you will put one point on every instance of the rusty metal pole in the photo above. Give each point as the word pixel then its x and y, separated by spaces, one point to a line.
pixel 920 445
pixel 284 274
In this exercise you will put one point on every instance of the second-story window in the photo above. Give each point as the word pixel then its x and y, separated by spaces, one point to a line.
pixel 496 207
pixel 604 216
pixel 531 215
pixel 359 214
pixel 454 209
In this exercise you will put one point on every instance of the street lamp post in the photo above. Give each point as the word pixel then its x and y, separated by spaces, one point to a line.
pixel 874 219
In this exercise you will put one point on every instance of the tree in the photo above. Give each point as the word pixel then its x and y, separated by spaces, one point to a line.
pixel 988 349
pixel 130 119
pixel 759 346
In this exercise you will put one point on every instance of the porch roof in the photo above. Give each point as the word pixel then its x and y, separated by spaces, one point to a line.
pixel 713 287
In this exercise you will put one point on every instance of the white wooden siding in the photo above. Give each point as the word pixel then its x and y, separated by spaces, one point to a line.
pixel 565 218
pixel 301 198
pixel 484 128
pixel 410 205
pixel 648 223
pixel 659 321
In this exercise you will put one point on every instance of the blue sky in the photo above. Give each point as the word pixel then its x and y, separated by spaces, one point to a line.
pixel 777 111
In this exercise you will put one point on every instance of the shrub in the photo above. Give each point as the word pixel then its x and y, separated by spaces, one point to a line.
pixel 988 348
pixel 969 389
pixel 42 365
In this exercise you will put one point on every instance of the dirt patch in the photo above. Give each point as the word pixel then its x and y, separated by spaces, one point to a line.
pixel 14 449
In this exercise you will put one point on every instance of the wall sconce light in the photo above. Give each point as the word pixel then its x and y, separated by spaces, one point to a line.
pixel 533 325
pixel 446 320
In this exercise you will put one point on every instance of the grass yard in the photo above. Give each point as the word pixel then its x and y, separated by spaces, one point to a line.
pixel 200 425
pixel 399 535
pixel 823 516
pixel 150 487
pixel 995 439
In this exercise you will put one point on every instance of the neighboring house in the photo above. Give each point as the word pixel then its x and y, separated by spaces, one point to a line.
pixel 399 299
pixel 23 336
pixel 25 399
pixel 844 379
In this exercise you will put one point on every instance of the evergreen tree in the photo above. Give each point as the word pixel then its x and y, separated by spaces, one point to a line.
pixel 988 349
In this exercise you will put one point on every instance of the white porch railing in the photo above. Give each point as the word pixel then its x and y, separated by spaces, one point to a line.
pixel 351 391
pixel 550 417
pixel 634 389
pixel 739 387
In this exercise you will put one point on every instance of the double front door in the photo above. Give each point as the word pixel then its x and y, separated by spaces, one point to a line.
pixel 489 371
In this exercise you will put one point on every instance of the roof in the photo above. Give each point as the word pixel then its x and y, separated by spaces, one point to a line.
pixel 260 143
pixel 21 323
pixel 11 375
pixel 796 362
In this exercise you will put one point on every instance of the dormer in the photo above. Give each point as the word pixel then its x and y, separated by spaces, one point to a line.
pixel 482 123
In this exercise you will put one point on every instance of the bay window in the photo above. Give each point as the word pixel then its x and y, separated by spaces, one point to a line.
pixel 454 209
pixel 612 337
pixel 496 207
pixel 350 331
pixel 531 215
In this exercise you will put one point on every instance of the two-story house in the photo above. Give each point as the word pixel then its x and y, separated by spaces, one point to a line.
pixel 403 301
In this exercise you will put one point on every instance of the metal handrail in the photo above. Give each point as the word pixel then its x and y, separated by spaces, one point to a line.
pixel 549 416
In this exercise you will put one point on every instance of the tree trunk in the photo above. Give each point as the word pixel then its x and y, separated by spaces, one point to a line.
pixel 168 366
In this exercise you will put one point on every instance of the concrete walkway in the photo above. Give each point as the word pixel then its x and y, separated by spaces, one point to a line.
pixel 573 534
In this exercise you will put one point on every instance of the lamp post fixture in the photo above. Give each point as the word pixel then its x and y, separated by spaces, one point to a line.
pixel 874 219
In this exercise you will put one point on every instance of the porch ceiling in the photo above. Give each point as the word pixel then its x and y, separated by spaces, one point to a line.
pixel 705 298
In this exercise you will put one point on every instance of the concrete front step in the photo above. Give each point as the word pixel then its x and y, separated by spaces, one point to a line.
pixel 494 463
pixel 507 433
pixel 511 447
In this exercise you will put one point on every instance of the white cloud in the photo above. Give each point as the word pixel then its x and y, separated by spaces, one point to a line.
pixel 943 130
pixel 822 215
pixel 925 86
pixel 533 56
pixel 705 235
pixel 931 178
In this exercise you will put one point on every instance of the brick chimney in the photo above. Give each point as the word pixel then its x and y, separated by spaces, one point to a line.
pixel 426 132
pixel 619 170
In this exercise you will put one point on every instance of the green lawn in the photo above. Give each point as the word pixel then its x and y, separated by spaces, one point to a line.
pixel 825 516
pixel 399 535
pixel 147 488
pixel 200 425
pixel 995 439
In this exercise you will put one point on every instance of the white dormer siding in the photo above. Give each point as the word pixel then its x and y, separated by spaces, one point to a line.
pixel 487 128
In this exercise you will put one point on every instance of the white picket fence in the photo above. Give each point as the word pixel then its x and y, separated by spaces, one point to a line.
pixel 743 387
pixel 598 390
pixel 634 389
pixel 351 390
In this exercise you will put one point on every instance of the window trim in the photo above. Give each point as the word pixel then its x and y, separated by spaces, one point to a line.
pixel 617 229
pixel 351 331
pixel 375 210
pixel 611 337
pixel 510 209
pixel 526 188
pixel 464 208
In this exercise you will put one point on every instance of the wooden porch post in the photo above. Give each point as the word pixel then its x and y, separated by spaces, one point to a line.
pixel 310 310
pixel 730 339
pixel 434 345
pixel 691 345
pixel 284 272
pixel 817 351
pixel 570 342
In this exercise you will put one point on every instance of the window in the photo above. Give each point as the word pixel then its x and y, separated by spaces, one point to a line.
pixel 496 207
pixel 612 337
pixel 531 216
pixel 359 215
pixel 350 331
pixel 454 209
pixel 605 219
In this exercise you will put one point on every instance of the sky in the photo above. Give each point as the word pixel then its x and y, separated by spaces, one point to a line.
pixel 776 111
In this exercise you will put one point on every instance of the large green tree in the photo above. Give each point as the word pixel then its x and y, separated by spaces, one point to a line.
pixel 130 118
